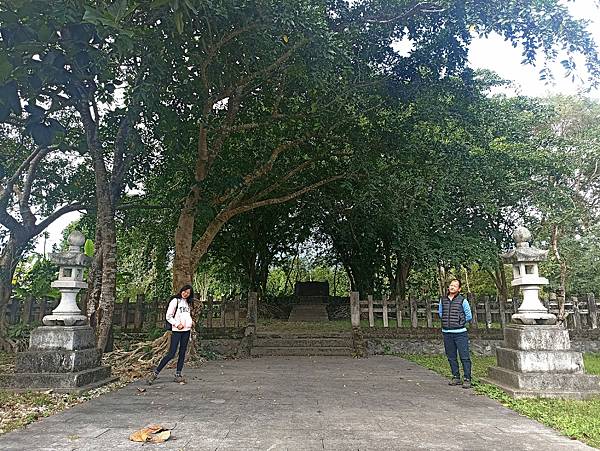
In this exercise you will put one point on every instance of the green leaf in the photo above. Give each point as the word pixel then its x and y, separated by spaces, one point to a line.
pixel 88 248
pixel 10 97
pixel 41 134
pixel 5 68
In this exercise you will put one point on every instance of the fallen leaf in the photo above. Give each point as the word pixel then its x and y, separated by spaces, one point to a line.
pixel 149 434
pixel 141 390
pixel 161 437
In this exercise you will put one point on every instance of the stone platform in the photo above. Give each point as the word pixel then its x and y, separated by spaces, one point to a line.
pixel 538 361
pixel 61 358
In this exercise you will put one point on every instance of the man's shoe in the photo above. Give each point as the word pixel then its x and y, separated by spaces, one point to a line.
pixel 467 383
pixel 151 378
pixel 455 381
pixel 179 379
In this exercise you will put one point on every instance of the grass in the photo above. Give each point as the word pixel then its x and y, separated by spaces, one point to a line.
pixel 576 419
pixel 20 409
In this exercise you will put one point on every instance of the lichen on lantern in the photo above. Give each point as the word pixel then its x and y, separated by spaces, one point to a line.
pixel 71 264
pixel 524 260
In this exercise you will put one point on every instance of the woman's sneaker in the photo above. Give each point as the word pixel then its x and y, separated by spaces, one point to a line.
pixel 467 383
pixel 179 379
pixel 455 381
pixel 151 378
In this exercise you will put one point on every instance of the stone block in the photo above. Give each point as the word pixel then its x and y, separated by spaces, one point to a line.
pixel 545 381
pixel 539 361
pixel 37 381
pixel 538 338
pixel 57 361
pixel 68 338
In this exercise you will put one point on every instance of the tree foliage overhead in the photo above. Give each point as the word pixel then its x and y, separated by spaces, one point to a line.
pixel 223 132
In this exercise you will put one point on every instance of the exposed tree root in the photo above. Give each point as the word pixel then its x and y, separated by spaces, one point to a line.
pixel 144 356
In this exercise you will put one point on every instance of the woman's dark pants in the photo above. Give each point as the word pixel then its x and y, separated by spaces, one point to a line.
pixel 177 338
pixel 454 342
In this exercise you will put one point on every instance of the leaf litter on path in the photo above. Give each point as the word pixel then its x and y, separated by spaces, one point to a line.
pixel 154 433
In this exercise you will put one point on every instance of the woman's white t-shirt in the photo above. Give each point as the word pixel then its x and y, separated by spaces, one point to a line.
pixel 178 312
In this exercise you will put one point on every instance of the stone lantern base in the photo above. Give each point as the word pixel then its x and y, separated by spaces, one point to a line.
pixel 537 361
pixel 61 358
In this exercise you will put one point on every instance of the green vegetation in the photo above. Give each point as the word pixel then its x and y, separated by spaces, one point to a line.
pixel 576 419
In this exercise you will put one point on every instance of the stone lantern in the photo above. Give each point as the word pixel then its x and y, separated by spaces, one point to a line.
pixel 70 281
pixel 524 259
pixel 62 353
pixel 536 357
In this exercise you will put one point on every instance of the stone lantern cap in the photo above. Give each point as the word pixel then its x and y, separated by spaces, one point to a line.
pixel 524 252
pixel 73 256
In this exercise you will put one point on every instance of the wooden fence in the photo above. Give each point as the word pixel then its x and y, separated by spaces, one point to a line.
pixel 136 313
pixel 581 312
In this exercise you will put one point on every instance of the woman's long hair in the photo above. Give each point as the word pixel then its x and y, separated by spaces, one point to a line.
pixel 190 299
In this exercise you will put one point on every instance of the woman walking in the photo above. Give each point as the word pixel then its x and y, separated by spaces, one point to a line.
pixel 180 317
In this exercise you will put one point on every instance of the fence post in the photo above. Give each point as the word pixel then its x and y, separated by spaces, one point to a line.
pixel 371 315
pixel 138 319
pixel 488 312
pixel 13 311
pixel 384 302
pixel 592 310
pixel 355 308
pixel 473 304
pixel 236 310
pixel 155 311
pixel 223 307
pixel 428 313
pixel 502 311
pixel 414 322
pixel 124 313
pixel 252 311
pixel 576 314
pixel 27 309
pixel 398 311
pixel 42 311
pixel 209 310
pixel 83 300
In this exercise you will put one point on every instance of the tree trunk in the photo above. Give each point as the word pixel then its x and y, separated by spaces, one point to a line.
pixel 182 263
pixel 401 284
pixel 8 263
pixel 94 291
pixel 561 292
pixel 109 276
pixel 502 288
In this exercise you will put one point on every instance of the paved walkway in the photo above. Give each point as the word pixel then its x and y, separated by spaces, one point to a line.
pixel 295 403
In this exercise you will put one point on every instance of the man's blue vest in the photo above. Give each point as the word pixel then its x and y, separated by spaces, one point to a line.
pixel 453 314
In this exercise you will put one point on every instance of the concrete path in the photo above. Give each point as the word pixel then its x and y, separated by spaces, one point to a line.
pixel 295 403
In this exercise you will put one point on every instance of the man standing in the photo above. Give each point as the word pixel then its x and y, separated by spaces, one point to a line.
pixel 454 310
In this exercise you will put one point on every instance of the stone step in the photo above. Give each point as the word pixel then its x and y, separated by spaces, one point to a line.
pixel 59 360
pixel 39 381
pixel 302 342
pixel 307 334
pixel 301 351
pixel 545 381
pixel 308 312
pixel 539 361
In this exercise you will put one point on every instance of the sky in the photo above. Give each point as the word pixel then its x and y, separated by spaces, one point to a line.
pixel 491 53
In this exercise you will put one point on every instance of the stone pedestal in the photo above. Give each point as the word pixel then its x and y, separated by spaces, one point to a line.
pixel 538 361
pixel 61 358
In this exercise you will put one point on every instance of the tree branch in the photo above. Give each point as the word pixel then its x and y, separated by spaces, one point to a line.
pixel 285 198
pixel 39 228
